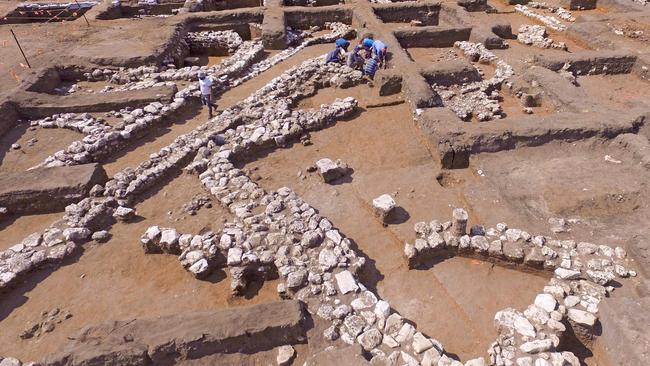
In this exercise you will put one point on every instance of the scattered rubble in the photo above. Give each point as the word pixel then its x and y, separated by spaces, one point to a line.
pixel 548 20
pixel 47 323
pixel 535 35
pixel 477 99
pixel 582 272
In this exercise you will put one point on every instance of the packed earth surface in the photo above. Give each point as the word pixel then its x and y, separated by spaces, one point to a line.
pixel 483 199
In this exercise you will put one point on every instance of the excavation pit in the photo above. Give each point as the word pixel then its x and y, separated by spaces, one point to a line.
pixel 253 220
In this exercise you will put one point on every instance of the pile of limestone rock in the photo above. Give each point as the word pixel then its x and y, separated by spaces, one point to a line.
pixel 198 254
pixel 226 40
pixel 560 11
pixel 80 122
pixel 582 273
pixel 549 20
pixel 480 98
pixel 102 139
pixel 82 222
pixel 536 36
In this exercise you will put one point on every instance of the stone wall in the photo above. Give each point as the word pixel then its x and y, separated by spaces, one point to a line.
pixel 431 36
pixel 424 12
pixel 304 18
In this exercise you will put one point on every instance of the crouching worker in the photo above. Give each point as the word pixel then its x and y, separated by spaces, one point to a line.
pixel 338 53
pixel 379 50
pixel 371 66
pixel 355 60
pixel 205 85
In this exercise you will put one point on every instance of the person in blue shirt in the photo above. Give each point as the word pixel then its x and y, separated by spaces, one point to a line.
pixel 338 53
pixel 379 49
pixel 376 48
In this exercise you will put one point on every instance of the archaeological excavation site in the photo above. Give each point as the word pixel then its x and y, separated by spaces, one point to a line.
pixel 325 182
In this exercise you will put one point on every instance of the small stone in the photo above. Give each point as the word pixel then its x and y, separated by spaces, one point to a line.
pixel 459 222
pixel 101 236
pixel 329 170
pixel 331 333
pixel 32 240
pixel 200 268
pixel 370 339
pixel 390 341
pixel 234 256
pixel 10 361
pixel 546 302
pixel 15 146
pixel 327 259
pixel 285 355
pixel 582 317
pixel 571 301
pixel 421 343
pixel 354 324
pixel 476 362
pixel 383 206
pixel 536 346
pixel 567 274
pixel 297 279
pixel 382 309
pixel 366 300
pixel 346 282
pixel 124 213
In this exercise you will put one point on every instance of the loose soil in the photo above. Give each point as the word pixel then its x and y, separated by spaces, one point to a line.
pixel 36 144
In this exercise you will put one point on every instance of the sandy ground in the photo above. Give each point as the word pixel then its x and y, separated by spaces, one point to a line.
pixel 388 154
pixel 389 157
pixel 116 280
pixel 36 144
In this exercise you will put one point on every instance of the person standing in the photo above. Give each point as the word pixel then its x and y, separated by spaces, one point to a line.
pixel 205 85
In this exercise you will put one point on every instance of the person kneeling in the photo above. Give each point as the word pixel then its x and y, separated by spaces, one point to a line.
pixel 338 54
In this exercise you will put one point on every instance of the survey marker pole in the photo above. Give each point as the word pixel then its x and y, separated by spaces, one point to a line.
pixel 20 48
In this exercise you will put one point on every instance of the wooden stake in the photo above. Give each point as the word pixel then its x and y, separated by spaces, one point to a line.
pixel 84 14
pixel 20 48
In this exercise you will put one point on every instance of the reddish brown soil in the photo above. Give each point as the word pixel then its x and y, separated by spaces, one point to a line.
pixel 454 301
pixel 387 155
pixel 14 229
pixel 116 280
pixel 48 141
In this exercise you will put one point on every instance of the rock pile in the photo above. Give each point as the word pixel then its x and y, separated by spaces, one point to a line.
pixel 550 21
pixel 83 123
pixel 560 11
pixel 198 254
pixel 535 35
pixel 582 273
pixel 481 98
pixel 58 241
pixel 316 263
pixel 227 40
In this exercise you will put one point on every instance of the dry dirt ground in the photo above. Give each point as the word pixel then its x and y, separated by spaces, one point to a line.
pixel 455 300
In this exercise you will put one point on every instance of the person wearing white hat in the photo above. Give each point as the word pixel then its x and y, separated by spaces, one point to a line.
pixel 205 85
